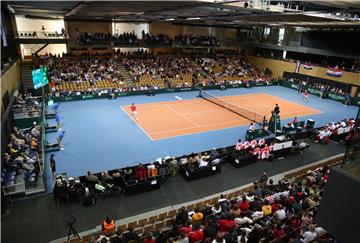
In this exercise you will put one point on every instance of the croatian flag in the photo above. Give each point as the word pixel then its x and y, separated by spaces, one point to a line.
pixel 308 66
pixel 334 72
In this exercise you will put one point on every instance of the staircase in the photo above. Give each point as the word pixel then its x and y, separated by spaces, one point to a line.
pixel 25 76
pixel 124 73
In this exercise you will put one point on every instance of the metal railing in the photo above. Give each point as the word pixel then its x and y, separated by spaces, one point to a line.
pixel 41 35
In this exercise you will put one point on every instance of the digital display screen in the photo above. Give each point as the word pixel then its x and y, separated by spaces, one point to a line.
pixel 39 77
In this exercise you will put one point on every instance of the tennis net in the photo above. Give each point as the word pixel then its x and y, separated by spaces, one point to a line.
pixel 252 116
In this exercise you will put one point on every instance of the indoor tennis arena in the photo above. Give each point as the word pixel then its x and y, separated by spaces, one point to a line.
pixel 180 121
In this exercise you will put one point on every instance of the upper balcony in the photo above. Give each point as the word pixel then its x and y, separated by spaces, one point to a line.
pixel 40 37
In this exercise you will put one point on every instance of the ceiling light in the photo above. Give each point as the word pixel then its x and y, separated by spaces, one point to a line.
pixel 169 19
pixel 193 18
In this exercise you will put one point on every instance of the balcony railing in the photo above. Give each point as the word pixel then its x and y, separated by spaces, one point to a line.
pixel 40 35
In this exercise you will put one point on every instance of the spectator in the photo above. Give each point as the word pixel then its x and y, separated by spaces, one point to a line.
pixel 149 238
pixel 108 226
pixel 53 165
pixel 131 235
pixel 91 178
pixel 310 235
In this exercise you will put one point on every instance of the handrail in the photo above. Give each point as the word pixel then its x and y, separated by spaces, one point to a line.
pixel 10 65
pixel 40 35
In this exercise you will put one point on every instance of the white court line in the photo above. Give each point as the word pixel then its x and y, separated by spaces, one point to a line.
pixel 142 129
pixel 178 98
pixel 182 115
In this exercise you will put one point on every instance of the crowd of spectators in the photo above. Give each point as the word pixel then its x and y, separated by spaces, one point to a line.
pixel 81 71
pixel 157 71
pixel 283 211
pixel 21 160
pixel 344 64
pixel 201 40
pixel 325 89
pixel 202 69
pixel 130 38
pixel 90 38
pixel 334 128
pixel 159 39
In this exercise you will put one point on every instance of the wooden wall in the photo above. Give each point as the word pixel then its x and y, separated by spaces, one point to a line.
pixel 73 27
pixel 10 80
pixel 278 67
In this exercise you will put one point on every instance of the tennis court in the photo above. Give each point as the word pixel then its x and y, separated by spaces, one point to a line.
pixel 163 120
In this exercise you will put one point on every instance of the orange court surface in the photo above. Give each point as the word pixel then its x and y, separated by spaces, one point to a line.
pixel 163 120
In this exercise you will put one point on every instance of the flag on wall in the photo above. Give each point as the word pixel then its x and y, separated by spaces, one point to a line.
pixel 334 72
pixel 308 66
pixel 3 32
pixel 297 68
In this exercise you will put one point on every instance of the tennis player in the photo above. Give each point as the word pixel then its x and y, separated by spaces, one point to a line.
pixel 134 111
pixel 306 96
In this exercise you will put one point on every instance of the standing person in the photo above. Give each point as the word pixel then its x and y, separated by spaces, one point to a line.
pixel 55 107
pixel 306 96
pixel 134 111
pixel 57 119
pixel 322 92
pixel 277 109
pixel 60 137
pixel 53 165
pixel 347 100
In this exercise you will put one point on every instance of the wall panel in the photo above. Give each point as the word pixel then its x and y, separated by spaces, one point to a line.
pixel 278 67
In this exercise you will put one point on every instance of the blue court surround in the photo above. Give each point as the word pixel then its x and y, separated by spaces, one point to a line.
pixel 100 136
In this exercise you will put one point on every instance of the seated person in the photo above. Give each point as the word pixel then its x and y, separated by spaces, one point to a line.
pixel 131 235
pixel 108 226
pixel 203 162
pixel 256 152
pixel 253 143
pixel 100 186
pixel 106 177
pixel 252 127
pixel 174 167
pixel 140 172
pixel 265 152
pixel 266 126
pixel 239 146
pixel 152 171
pixel 247 145
pixel 197 217
pixel 91 178
pixel 320 136
pixel 261 142
pixel 295 120
pixel 214 155
pixel 192 161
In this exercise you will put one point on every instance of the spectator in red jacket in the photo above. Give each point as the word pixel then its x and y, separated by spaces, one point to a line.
pixel 226 224
pixel 149 238
pixel 140 172
pixel 278 232
pixel 244 205
pixel 196 235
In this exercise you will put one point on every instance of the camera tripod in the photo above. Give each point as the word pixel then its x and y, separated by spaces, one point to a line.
pixel 72 231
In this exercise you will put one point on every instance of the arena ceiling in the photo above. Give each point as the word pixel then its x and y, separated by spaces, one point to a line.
pixel 313 14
